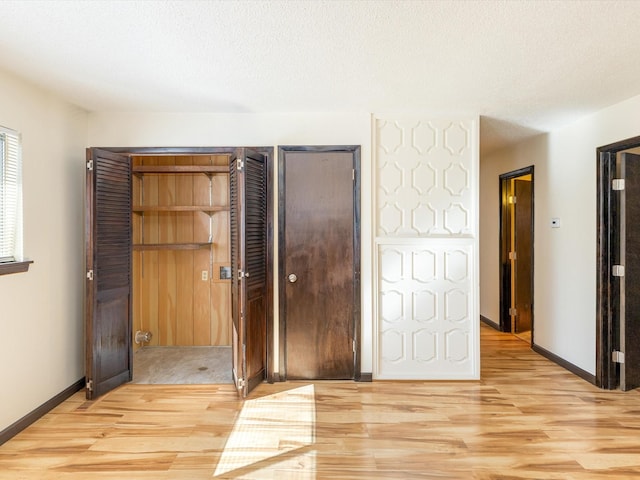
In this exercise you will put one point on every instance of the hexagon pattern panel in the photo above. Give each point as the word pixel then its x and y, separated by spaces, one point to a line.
pixel 425 310
pixel 426 204
pixel 424 173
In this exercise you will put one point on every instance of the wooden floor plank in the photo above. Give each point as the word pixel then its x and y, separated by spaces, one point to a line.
pixel 527 418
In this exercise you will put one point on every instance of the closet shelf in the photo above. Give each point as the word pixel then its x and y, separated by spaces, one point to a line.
pixel 179 208
pixel 171 246
pixel 186 169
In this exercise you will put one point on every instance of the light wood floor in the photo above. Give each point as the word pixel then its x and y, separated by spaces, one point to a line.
pixel 526 418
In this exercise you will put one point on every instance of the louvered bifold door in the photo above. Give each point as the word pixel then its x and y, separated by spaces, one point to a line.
pixel 249 262
pixel 108 291
pixel 237 342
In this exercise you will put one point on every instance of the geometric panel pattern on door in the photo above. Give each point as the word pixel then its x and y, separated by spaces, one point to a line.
pixel 426 243
pixel 425 306
pixel 424 176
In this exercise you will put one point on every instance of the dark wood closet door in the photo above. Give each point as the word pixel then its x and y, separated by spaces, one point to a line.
pixel 630 288
pixel 318 276
pixel 108 285
pixel 248 204
pixel 523 248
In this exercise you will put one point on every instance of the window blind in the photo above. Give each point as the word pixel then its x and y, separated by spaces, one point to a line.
pixel 10 193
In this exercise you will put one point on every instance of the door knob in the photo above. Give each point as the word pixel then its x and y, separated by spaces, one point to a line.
pixel 293 278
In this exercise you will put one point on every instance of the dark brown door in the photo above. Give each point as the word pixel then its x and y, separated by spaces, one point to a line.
pixel 523 248
pixel 629 325
pixel 108 284
pixel 319 263
pixel 248 205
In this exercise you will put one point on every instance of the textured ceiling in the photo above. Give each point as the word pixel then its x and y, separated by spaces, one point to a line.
pixel 524 66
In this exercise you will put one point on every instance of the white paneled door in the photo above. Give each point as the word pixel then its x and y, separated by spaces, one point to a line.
pixel 426 198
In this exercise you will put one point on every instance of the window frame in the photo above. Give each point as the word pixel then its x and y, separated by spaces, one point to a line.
pixel 11 261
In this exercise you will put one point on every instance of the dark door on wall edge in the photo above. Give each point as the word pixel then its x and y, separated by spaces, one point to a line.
pixel 618 259
pixel 628 168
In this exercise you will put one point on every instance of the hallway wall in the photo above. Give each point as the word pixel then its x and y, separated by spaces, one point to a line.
pixel 565 257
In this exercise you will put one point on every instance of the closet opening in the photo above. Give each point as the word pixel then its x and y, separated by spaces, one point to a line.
pixel 168 231
pixel 181 269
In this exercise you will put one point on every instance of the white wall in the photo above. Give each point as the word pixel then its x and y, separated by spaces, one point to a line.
pixel 41 322
pixel 218 130
pixel 565 258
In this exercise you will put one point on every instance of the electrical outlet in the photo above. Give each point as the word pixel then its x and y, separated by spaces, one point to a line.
pixel 205 275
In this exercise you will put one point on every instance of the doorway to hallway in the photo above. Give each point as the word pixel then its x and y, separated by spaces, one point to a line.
pixel 516 252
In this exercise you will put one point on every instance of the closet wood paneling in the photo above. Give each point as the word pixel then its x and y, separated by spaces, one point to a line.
pixel 136 268
pixel 167 267
pixel 170 298
pixel 203 296
pixel 184 259
pixel 149 269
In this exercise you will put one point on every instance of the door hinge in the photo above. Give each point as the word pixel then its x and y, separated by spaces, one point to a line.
pixel 617 184
pixel 618 271
pixel 241 383
pixel 90 165
pixel 242 274
pixel 512 255
pixel 512 199
pixel 353 174
pixel 240 165
pixel 90 274
pixel 89 385
pixel 513 311
pixel 617 357
pixel 353 343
